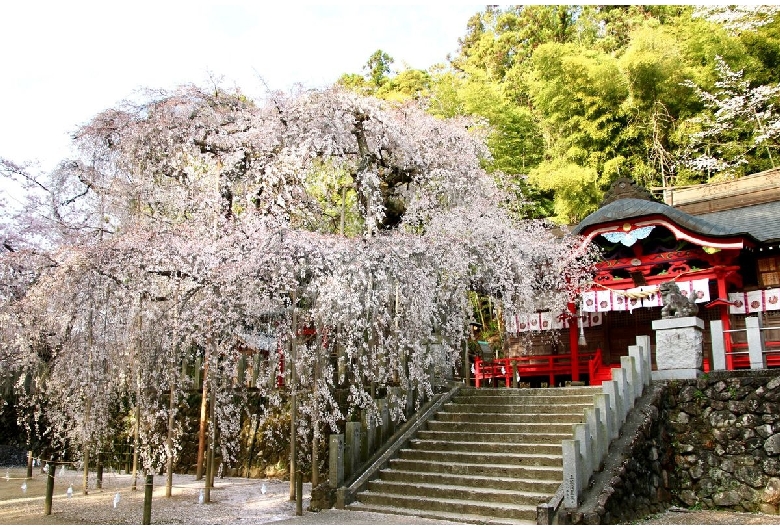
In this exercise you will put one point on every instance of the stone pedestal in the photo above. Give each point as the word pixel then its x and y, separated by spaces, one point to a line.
pixel 678 348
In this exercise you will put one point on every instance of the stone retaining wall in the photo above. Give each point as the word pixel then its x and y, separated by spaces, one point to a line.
pixel 636 479
pixel 725 428
pixel 711 442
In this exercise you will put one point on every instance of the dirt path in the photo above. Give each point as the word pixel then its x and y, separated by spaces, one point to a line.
pixel 234 501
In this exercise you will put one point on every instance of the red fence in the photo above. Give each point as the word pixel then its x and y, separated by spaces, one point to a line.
pixel 590 365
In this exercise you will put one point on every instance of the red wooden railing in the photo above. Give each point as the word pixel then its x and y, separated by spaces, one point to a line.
pixel 740 359
pixel 535 366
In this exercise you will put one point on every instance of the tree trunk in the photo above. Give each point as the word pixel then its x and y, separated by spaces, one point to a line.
pixel 99 466
pixel 203 420
pixel 137 433
pixel 169 442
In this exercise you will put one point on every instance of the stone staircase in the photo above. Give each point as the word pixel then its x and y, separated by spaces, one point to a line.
pixel 490 456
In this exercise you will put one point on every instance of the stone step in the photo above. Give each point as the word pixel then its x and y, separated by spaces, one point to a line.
pixel 469 408
pixel 507 392
pixel 484 508
pixel 462 493
pixel 479 417
pixel 480 446
pixel 490 427
pixel 461 435
pixel 543 472
pixel 469 519
pixel 533 399
pixel 490 456
pixel 512 459
pixel 548 487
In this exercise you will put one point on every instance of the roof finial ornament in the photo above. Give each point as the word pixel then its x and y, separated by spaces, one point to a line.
pixel 625 188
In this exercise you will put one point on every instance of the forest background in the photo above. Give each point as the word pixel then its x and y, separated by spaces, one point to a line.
pixel 576 96
pixel 195 221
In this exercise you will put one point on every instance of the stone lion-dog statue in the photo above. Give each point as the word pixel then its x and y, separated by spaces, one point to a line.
pixel 675 304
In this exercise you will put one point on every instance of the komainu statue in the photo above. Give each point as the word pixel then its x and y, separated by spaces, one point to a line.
pixel 675 304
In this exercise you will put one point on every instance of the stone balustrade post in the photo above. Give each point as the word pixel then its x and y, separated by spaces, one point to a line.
pixel 601 401
pixel 597 445
pixel 352 448
pixel 336 460
pixel 571 473
pixel 635 352
pixel 756 345
pixel 582 435
pixel 632 379
pixel 619 376
pixel 718 345
pixel 368 438
pixel 384 418
pixel 643 341
pixel 616 407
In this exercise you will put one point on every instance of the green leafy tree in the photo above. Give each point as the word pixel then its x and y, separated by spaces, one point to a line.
pixel 378 67
pixel 738 132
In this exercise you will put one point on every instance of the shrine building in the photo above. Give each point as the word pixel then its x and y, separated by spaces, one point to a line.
pixel 719 241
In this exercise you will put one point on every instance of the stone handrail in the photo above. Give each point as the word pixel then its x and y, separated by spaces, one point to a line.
pixel 586 451
pixel 346 494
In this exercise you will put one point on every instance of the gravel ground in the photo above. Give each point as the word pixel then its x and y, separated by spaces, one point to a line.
pixel 234 501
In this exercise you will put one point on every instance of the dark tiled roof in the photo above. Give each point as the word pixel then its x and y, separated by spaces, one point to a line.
pixel 625 209
pixel 762 221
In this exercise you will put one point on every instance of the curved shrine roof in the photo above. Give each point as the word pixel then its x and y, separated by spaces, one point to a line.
pixel 626 209
pixel 762 221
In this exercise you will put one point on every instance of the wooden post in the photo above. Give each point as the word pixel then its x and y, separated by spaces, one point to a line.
pixel 49 489
pixel 29 464
pixel 136 434
pixel 212 442
pixel 203 420
pixel 99 464
pixel 293 401
pixel 298 492
pixel 172 397
pixel 574 342
pixel 466 368
pixel 315 457
pixel 148 490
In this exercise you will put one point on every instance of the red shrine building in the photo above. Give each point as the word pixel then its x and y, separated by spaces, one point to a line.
pixel 719 241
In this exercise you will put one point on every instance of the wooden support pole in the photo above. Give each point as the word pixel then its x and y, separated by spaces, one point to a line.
pixel 99 464
pixel 148 490
pixel 574 343
pixel 298 492
pixel 49 489
pixel 293 401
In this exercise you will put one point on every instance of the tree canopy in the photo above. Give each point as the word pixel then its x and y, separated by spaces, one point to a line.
pixel 196 222
pixel 574 97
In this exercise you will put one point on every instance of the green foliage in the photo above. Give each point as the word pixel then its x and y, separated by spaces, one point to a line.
pixel 333 189
pixel 577 189
pixel 601 91
pixel 377 67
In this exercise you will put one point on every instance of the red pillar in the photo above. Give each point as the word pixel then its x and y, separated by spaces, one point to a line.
pixel 724 317
pixel 573 342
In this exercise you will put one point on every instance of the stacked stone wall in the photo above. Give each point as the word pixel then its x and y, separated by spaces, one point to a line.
pixel 637 477
pixel 725 431
pixel 711 443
